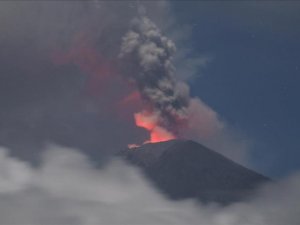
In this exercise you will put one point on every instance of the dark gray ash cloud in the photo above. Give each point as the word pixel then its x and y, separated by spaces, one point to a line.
pixel 152 54
pixel 43 101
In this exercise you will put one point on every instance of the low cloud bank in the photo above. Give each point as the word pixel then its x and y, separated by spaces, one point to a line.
pixel 68 189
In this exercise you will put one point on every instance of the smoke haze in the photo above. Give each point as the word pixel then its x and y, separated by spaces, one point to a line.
pixel 65 63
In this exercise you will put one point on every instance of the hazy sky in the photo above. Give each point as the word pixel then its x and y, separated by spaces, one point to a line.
pixel 59 77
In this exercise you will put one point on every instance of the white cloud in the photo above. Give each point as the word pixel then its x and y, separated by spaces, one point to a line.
pixel 68 189
pixel 14 174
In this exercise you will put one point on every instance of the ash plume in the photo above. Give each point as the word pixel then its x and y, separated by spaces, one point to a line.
pixel 170 112
pixel 149 53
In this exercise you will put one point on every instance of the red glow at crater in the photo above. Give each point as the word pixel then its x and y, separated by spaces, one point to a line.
pixel 149 122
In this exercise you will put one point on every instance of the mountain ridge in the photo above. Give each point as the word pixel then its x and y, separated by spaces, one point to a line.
pixel 184 169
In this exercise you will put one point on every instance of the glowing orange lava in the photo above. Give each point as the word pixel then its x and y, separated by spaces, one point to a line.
pixel 132 146
pixel 159 134
pixel 150 122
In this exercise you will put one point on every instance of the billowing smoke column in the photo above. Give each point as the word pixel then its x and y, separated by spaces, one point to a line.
pixel 149 53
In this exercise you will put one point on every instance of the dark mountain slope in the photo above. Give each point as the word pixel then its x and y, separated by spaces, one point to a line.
pixel 185 169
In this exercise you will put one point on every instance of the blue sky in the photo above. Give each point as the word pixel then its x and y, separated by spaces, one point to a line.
pixel 252 80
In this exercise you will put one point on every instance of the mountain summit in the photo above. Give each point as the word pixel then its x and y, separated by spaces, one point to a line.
pixel 184 169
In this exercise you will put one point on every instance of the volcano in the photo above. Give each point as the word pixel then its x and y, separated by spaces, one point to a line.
pixel 184 169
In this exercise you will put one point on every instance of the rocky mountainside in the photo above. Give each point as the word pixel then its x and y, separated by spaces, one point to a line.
pixel 184 169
